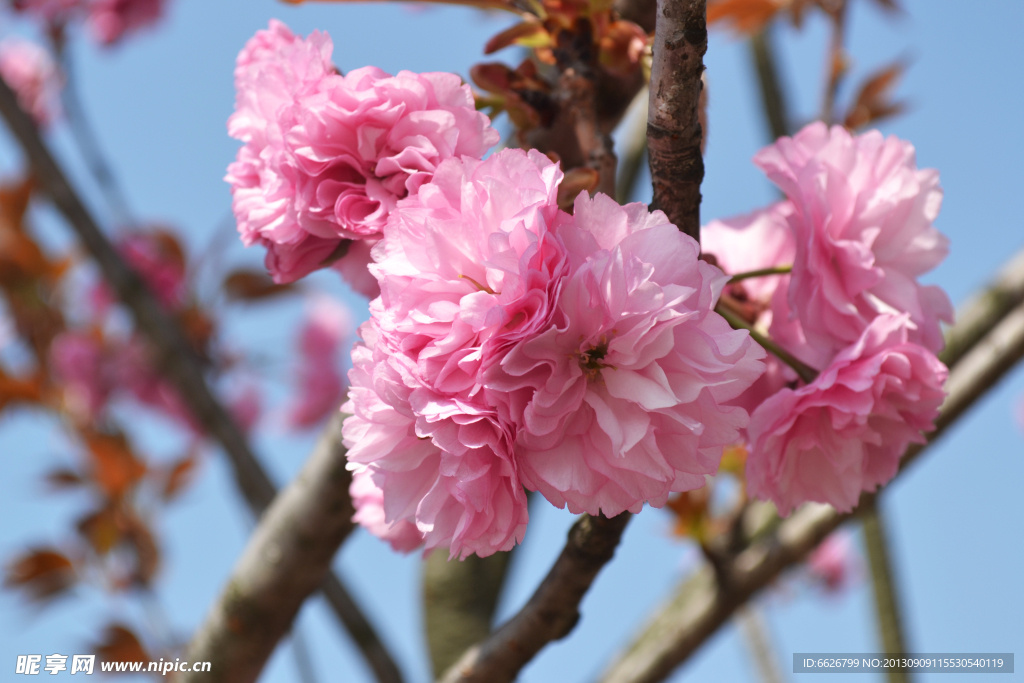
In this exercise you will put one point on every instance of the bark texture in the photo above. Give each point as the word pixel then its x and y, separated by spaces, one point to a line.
pixel 673 127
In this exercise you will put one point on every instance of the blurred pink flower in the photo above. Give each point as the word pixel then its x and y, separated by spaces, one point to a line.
pixel 162 269
pixel 863 226
pixel 136 374
pixel 246 406
pixel 49 10
pixel 845 432
pixel 834 563
pixel 111 20
pixel 354 268
pixel 618 400
pixel 321 387
pixel 33 75
pixel 82 365
pixel 327 157
pixel 368 500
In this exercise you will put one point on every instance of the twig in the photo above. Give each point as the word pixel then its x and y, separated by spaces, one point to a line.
pixel 673 129
pixel 776 270
pixel 553 610
pixel 805 371
pixel 459 599
pixel 887 608
pixel 699 606
pixel 752 626
pixel 176 359
pixel 303 658
pixel 773 99
pixel 836 68
pixel 343 605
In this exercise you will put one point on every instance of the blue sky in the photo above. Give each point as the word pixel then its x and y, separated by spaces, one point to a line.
pixel 160 102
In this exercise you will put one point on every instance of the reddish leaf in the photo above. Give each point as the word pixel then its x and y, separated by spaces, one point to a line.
pixel 16 390
pixel 528 33
pixel 115 467
pixel 874 99
pixel 744 16
pixel 253 285
pixel 179 475
pixel 492 76
pixel 43 573
pixel 506 5
pixel 147 555
pixel 691 511
pixel 621 47
pixel 120 644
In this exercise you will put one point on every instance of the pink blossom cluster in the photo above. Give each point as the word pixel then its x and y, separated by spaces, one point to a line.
pixel 516 346
pixel 857 228
pixel 31 72
pixel 326 156
pixel 108 20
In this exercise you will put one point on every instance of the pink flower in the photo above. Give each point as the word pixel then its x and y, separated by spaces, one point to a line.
pixel 32 74
pixel 845 432
pixel 81 364
pixel 157 258
pixel 368 500
pixel 467 266
pixel 136 374
pixel 354 268
pixel 452 478
pixel 321 387
pixel 618 400
pixel 327 157
pixel 246 406
pixel 110 20
pixel 864 234
pixel 834 563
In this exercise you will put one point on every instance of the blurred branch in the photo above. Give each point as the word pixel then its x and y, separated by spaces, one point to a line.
pixel 577 87
pixel 702 604
pixel 985 309
pixel 287 558
pixel 635 148
pixel 176 359
pixel 836 65
pixel 752 627
pixel 887 608
pixel 85 135
pixel 552 612
pixel 673 129
pixel 773 99
pixel 459 599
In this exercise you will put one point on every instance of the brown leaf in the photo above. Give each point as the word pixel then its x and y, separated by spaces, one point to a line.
pixel 691 511
pixel 147 555
pixel 43 573
pixel 874 99
pixel 63 478
pixel 621 47
pixel 253 285
pixel 744 16
pixel 115 467
pixel 506 5
pixel 576 180
pixel 101 529
pixel 530 33
pixel 120 644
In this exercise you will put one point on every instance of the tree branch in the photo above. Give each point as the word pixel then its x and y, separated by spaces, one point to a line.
pixel 673 129
pixel 887 608
pixel 701 605
pixel 773 100
pixel 553 610
pixel 175 358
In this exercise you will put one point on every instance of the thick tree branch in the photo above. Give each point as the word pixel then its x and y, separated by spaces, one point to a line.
pixel 459 599
pixel 175 358
pixel 553 610
pixel 702 603
pixel 673 128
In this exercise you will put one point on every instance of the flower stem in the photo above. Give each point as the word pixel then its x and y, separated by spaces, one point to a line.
pixel 806 372
pixel 775 270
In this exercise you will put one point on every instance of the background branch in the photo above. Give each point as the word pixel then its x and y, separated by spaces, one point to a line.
pixel 753 629
pixel 176 360
pixel 552 611
pixel 887 608
pixel 773 99
pixel 701 604
pixel 673 128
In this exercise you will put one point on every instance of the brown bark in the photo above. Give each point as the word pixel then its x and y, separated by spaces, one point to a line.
pixel 673 126
pixel 553 610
